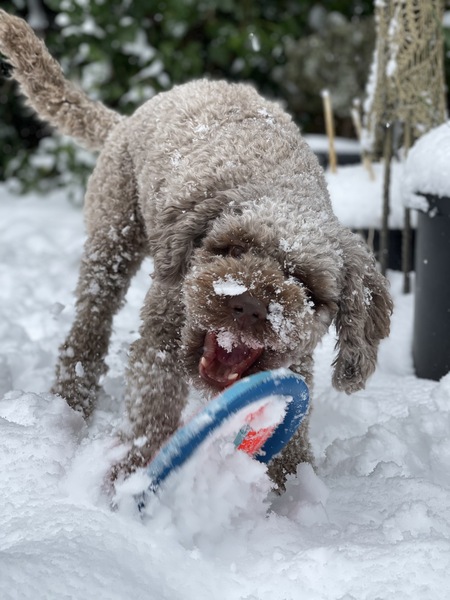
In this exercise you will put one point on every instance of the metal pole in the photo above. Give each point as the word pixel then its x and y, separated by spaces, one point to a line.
pixel 384 233
pixel 406 236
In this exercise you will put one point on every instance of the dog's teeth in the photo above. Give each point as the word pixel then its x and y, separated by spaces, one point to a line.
pixel 203 362
pixel 232 376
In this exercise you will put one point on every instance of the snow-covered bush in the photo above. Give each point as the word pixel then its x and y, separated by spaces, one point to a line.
pixel 336 56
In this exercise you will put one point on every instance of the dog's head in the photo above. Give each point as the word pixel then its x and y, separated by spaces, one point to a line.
pixel 251 303
pixel 263 280
pixel 260 293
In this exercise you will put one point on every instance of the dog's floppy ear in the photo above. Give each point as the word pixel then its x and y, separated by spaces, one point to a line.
pixel 363 317
pixel 179 231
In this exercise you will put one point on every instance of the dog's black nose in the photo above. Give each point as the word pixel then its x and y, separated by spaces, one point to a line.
pixel 246 309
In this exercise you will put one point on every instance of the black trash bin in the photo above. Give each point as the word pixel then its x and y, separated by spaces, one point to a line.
pixel 431 338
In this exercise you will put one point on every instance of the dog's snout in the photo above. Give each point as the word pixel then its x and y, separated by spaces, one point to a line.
pixel 246 309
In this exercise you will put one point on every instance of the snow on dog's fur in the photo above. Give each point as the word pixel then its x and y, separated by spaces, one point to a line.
pixel 251 266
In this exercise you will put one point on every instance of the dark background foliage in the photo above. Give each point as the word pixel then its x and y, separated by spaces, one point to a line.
pixel 126 51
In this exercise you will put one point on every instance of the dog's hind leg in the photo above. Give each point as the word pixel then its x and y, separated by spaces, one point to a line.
pixel 157 388
pixel 113 251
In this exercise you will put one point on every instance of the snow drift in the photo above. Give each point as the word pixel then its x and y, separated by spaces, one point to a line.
pixel 373 523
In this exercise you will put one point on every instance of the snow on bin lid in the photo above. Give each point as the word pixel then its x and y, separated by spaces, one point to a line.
pixel 427 168
pixel 357 199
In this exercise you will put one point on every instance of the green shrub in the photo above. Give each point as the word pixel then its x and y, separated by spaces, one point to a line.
pixel 124 52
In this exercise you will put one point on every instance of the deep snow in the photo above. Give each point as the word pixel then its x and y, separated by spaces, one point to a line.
pixel 374 523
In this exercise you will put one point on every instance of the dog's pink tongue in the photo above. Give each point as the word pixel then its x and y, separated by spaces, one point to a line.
pixel 221 367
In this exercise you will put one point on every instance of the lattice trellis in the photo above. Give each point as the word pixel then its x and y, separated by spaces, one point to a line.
pixel 406 85
pixel 405 94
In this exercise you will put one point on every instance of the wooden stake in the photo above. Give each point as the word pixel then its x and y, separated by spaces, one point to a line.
pixel 329 127
pixel 356 118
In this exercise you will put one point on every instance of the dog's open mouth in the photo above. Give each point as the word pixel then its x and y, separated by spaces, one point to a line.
pixel 224 363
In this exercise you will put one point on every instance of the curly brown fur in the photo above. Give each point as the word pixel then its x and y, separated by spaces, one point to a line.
pixel 251 265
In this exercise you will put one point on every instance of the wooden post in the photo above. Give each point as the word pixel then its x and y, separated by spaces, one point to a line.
pixel 356 119
pixel 329 127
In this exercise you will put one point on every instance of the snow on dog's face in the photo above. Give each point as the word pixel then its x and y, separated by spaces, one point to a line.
pixel 249 306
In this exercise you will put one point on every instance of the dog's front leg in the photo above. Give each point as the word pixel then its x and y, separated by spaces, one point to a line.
pixel 111 257
pixel 156 384
pixel 298 450
pixel 114 249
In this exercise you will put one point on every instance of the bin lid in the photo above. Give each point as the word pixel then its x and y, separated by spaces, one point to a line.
pixel 427 172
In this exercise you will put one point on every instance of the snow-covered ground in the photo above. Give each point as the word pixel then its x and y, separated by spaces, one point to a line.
pixel 374 523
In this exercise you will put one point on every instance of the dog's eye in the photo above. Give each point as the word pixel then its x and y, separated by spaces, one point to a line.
pixel 198 241
pixel 236 251
pixel 300 280
pixel 233 250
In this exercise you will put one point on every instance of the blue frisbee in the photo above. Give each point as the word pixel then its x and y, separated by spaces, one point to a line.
pixel 244 393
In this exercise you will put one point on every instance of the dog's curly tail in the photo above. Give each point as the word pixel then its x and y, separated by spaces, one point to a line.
pixel 52 96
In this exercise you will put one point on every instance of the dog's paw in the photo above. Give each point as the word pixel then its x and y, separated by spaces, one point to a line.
pixel 351 372
pixel 137 457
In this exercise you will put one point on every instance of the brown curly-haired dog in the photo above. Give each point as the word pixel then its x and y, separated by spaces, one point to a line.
pixel 251 265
